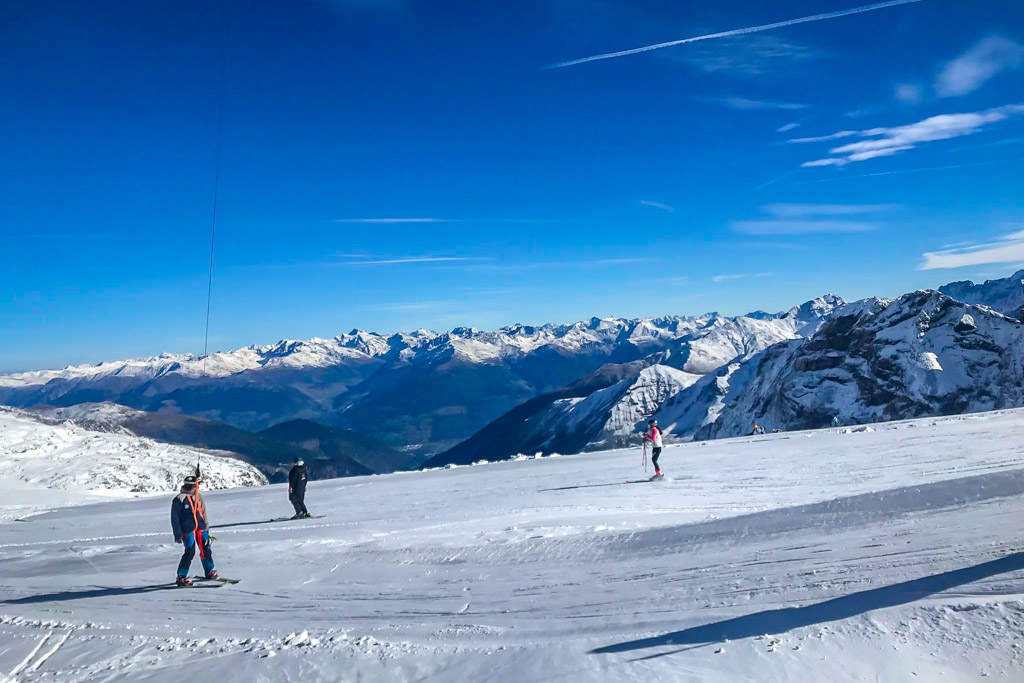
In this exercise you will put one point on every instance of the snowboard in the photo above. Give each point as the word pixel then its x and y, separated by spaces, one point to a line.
pixel 211 584
pixel 220 581
pixel 293 519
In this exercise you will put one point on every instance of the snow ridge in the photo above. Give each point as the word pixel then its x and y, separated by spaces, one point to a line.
pixel 46 461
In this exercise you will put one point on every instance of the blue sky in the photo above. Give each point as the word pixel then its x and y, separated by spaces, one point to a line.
pixel 395 164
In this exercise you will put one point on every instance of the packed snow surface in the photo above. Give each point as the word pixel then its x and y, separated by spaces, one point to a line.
pixel 44 465
pixel 839 555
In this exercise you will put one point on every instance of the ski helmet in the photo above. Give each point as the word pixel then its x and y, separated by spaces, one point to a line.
pixel 652 422
pixel 299 462
pixel 190 482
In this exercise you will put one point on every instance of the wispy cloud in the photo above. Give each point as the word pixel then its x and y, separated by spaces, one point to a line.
pixel 885 142
pixel 658 205
pixel 805 219
pixel 788 127
pixel 747 103
pixel 865 110
pixel 823 138
pixel 760 244
pixel 799 226
pixel 541 265
pixel 749 56
pixel 1008 249
pixel 393 220
pixel 908 93
pixel 908 170
pixel 738 276
pixel 776 179
pixel 808 210
pixel 415 259
pixel 737 32
pixel 983 61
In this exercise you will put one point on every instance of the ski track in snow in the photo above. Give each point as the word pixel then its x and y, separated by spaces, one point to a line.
pixel 894 554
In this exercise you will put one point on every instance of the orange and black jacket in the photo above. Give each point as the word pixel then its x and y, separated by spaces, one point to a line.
pixel 188 513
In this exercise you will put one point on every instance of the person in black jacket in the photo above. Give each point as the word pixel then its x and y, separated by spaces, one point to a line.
pixel 191 528
pixel 297 478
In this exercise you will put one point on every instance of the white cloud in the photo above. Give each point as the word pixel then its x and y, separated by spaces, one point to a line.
pixel 749 56
pixel 807 210
pixel 822 138
pixel 788 127
pixel 866 110
pixel 1009 249
pixel 392 220
pixel 416 259
pixel 799 227
pixel 738 32
pixel 805 219
pixel 747 103
pixel 658 205
pixel 907 93
pixel 972 69
pixel 889 141
pixel 907 170
pixel 540 265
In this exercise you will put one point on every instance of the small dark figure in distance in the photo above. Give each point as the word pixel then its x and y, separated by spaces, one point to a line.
pixel 297 478
pixel 191 528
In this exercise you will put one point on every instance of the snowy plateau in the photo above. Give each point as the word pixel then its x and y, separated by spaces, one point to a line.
pixel 48 463
pixel 885 552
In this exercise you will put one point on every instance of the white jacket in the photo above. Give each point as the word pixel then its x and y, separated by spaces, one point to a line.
pixel 654 436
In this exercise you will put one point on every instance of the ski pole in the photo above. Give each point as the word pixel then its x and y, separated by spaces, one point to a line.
pixel 645 457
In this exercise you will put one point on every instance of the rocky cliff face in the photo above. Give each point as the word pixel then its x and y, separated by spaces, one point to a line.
pixel 922 354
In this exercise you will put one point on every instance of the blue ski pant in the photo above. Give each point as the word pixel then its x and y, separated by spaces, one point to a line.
pixel 191 541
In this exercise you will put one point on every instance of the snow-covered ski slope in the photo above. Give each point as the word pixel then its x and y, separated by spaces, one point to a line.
pixel 45 464
pixel 887 555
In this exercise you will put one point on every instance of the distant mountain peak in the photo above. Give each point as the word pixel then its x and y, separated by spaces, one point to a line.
pixel 1005 295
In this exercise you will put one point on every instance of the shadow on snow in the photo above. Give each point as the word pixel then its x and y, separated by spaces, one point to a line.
pixel 95 592
pixel 789 618
pixel 594 486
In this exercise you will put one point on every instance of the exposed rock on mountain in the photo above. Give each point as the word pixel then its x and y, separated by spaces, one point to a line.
pixel 922 354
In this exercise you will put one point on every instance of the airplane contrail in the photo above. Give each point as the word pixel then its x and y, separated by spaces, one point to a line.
pixel 737 32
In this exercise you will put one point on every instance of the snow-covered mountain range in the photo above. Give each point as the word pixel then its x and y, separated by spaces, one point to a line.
pixel 418 389
pixel 922 354
pixel 1005 295
pixel 44 463
pixel 591 384
pixel 606 409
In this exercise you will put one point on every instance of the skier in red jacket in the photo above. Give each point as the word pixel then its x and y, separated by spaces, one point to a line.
pixel 653 436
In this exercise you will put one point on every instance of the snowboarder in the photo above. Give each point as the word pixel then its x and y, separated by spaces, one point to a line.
pixel 192 529
pixel 653 436
pixel 297 478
